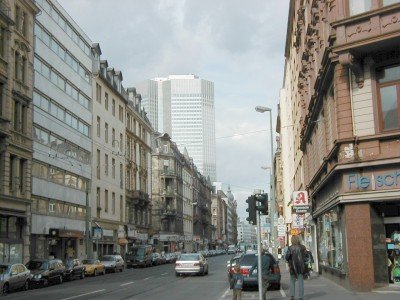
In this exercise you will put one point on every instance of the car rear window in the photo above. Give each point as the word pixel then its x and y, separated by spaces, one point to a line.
pixel 189 257
pixel 248 260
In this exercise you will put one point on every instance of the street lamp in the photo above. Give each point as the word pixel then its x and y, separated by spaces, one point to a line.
pixel 262 109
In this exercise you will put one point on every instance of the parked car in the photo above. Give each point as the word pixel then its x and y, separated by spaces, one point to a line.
pixel 74 268
pixel 13 277
pixel 94 267
pixel 156 259
pixel 191 263
pixel 46 271
pixel 113 263
pixel 170 258
pixel 248 268
pixel 139 256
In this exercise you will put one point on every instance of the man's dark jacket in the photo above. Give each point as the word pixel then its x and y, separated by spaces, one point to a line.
pixel 295 256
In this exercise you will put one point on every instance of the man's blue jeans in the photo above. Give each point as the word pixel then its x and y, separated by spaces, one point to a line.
pixel 299 278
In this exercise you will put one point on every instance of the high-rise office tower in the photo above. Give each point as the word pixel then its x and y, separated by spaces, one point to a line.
pixel 183 106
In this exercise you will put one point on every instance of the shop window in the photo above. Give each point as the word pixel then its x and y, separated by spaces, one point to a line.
pixel 330 242
pixel 388 80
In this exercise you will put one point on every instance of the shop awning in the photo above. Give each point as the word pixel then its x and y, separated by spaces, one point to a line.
pixel 122 241
pixel 15 213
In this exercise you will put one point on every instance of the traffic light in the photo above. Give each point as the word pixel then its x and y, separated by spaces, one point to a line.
pixel 252 218
pixel 262 203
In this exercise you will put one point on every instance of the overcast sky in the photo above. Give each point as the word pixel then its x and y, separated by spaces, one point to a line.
pixel 237 44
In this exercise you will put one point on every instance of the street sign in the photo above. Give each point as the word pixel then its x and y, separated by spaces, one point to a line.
pixel 281 228
pixel 97 233
pixel 297 221
pixel 300 198
pixel 301 209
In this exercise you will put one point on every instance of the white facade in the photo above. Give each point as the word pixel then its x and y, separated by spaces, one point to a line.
pixel 246 233
pixel 183 107
pixel 61 169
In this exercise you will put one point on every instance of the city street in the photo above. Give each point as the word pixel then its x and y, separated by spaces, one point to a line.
pixel 160 282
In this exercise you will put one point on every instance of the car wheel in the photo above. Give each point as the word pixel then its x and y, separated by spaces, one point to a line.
pixel 26 285
pixel 60 279
pixel 104 272
pixel 82 275
pixel 177 274
pixel 95 273
pixel 6 289
pixel 45 282
pixel 207 271
pixel 115 270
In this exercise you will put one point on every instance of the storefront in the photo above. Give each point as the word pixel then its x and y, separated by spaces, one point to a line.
pixel 12 226
pixel 358 217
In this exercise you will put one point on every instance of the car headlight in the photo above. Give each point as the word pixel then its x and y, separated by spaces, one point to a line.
pixel 38 276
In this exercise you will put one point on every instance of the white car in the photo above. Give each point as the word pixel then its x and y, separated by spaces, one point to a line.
pixel 191 263
pixel 113 263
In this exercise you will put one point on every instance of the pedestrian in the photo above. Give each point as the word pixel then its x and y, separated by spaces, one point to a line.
pixel 236 283
pixel 295 257
pixel 309 261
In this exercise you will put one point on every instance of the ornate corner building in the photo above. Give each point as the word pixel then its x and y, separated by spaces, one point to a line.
pixel 16 85
pixel 342 85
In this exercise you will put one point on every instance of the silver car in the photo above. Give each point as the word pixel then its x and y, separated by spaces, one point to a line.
pixel 13 277
pixel 191 263
pixel 113 263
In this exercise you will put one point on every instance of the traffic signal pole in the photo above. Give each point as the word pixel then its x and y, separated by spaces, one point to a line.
pixel 259 270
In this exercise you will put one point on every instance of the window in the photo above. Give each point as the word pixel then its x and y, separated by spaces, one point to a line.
pixel 106 164
pixel 113 107
pixel 98 197
pixel 52 207
pixel 121 142
pixel 388 79
pixel 106 132
pixel 121 113
pixel 330 239
pixel 1 98
pixel 105 200
pixel 360 6
pixel 12 172
pixel 113 203
pixel 113 168
pixel 98 164
pixel 389 2
pixel 98 93
pixel 2 41
pixel 121 175
pixel 98 126
pixel 106 101
pixel 113 137
pixel 22 164
pixel 121 207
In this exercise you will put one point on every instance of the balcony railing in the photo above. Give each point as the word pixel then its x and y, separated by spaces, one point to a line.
pixel 167 173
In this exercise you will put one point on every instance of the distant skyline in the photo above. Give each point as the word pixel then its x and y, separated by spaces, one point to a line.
pixel 238 45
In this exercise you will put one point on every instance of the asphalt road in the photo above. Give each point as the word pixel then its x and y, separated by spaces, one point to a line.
pixel 158 282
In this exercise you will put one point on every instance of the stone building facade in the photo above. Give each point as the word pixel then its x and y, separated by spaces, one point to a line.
pixel 16 86
pixel 344 63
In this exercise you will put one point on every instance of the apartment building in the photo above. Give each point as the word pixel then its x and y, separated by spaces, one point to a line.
pixel 62 132
pixel 108 185
pixel 343 57
pixel 139 135
pixel 17 20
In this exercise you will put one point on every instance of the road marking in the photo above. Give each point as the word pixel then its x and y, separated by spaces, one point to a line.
pixel 147 278
pixel 81 295
pixel 226 293
pixel 127 283
pixel 282 293
pixel 164 274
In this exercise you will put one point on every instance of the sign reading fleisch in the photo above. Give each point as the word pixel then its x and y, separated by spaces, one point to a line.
pixel 300 198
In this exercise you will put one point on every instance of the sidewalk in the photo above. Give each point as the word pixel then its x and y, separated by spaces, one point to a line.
pixel 319 287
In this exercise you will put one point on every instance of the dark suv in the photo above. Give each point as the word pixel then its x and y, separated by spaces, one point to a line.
pixel 46 271
pixel 248 268
pixel 74 268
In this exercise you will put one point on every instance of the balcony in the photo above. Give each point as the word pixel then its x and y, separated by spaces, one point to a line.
pixel 138 197
pixel 168 213
pixel 167 173
pixel 365 32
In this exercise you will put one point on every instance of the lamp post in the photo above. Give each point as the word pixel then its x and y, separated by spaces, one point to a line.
pixel 262 109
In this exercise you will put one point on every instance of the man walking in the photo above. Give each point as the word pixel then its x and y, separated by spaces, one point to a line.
pixel 295 257
pixel 237 283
